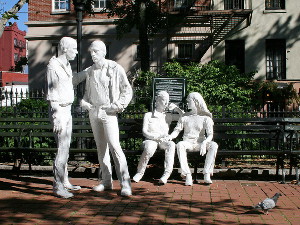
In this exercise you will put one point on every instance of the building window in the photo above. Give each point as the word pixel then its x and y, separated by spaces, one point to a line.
pixel 16 42
pixel 16 57
pixel 233 4
pixel 183 3
pixel 185 51
pixel 138 52
pixel 100 4
pixel 61 5
pixel 235 54
pixel 276 59
pixel 274 4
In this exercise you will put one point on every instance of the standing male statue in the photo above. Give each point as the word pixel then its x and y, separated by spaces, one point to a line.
pixel 60 94
pixel 107 93
pixel 156 130
pixel 198 134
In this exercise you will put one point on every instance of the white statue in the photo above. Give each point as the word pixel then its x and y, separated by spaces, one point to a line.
pixel 60 94
pixel 107 93
pixel 156 130
pixel 198 134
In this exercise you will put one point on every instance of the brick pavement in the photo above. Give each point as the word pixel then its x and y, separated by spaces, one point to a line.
pixel 29 200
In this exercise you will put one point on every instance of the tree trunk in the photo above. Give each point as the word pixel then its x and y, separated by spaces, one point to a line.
pixel 10 13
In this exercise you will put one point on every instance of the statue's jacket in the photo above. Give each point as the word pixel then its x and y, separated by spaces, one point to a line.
pixel 119 86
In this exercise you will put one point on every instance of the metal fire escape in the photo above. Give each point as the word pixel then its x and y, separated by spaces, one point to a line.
pixel 198 21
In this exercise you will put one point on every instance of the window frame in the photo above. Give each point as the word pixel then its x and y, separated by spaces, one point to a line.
pixel 184 56
pixel 234 4
pixel 97 9
pixel 275 59
pixel 136 54
pixel 272 3
pixel 61 10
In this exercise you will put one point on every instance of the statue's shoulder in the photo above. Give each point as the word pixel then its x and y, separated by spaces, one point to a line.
pixel 112 64
pixel 53 62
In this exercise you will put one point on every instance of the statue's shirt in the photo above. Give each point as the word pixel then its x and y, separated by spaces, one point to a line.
pixel 60 85
pixel 99 87
pixel 156 125
pixel 194 127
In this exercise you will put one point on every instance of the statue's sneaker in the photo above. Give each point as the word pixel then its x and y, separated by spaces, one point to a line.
pixel 137 177
pixel 102 187
pixel 71 187
pixel 126 192
pixel 63 193
pixel 164 178
pixel 207 179
pixel 188 180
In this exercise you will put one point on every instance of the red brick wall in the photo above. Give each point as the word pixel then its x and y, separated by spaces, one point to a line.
pixel 41 10
pixel 10 77
pixel 8 49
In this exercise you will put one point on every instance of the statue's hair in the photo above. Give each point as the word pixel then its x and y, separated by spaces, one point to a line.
pixel 200 104
pixel 162 94
pixel 66 42
pixel 100 44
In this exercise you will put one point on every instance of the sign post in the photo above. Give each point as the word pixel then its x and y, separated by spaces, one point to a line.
pixel 176 88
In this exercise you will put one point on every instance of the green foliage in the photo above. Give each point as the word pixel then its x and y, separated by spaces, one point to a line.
pixel 270 91
pixel 136 14
pixel 33 105
pixel 19 65
pixel 9 15
pixel 218 83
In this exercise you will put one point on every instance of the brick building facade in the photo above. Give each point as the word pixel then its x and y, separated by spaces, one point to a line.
pixel 254 35
pixel 12 47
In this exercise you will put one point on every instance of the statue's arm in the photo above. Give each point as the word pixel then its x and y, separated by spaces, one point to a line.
pixel 208 126
pixel 53 98
pixel 177 129
pixel 79 77
pixel 125 90
pixel 85 101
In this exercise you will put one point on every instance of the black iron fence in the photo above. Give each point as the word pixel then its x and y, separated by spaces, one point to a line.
pixel 33 104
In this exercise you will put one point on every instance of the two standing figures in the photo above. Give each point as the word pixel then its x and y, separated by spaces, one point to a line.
pixel 107 93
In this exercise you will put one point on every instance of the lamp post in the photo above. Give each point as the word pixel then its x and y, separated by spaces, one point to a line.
pixel 79 8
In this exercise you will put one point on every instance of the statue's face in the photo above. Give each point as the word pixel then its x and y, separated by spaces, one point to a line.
pixel 97 53
pixel 190 103
pixel 163 102
pixel 71 52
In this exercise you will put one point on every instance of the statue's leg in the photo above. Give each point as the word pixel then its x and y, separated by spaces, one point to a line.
pixel 66 182
pixel 182 148
pixel 61 158
pixel 103 154
pixel 149 150
pixel 169 148
pixel 212 148
pixel 111 128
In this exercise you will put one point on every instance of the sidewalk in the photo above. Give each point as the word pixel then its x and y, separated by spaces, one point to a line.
pixel 29 200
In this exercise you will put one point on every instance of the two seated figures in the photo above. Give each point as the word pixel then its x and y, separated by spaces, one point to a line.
pixel 197 127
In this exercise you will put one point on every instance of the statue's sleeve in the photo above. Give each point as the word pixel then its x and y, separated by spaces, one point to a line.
pixel 209 127
pixel 52 84
pixel 87 85
pixel 79 77
pixel 125 90
pixel 178 128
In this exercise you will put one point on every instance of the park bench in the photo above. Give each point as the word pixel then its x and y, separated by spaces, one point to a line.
pixel 235 137
pixel 292 140
pixel 247 137
pixel 26 136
